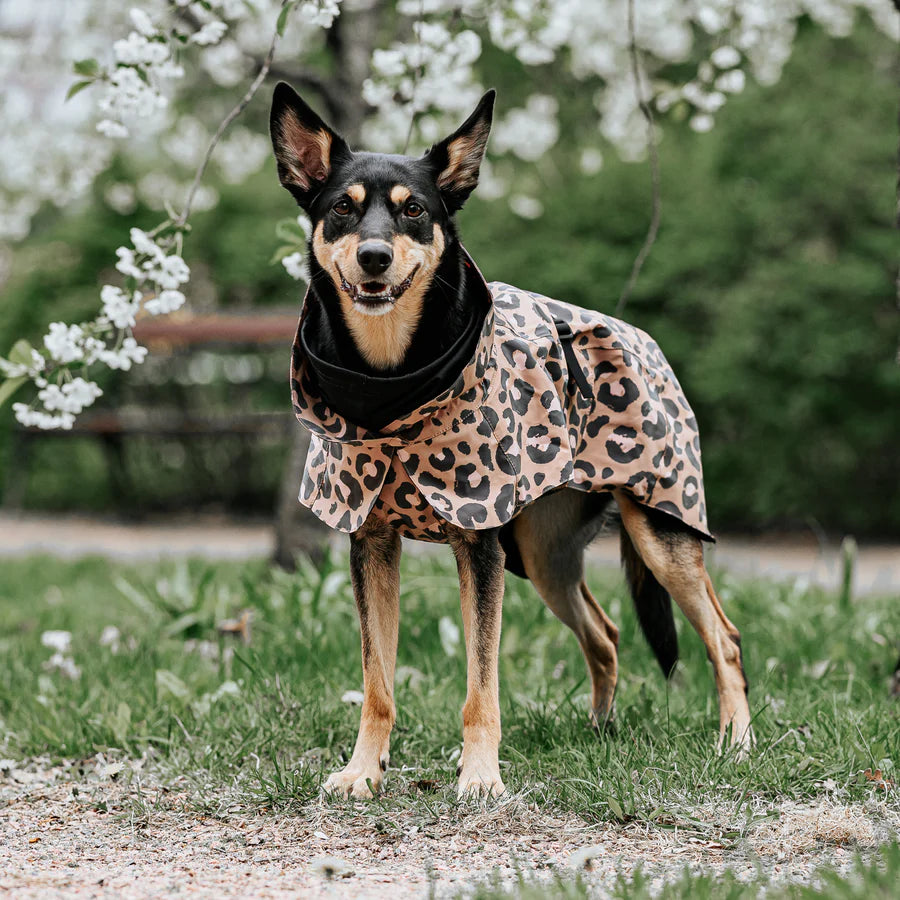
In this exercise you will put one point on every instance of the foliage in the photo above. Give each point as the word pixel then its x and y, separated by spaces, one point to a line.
pixel 770 287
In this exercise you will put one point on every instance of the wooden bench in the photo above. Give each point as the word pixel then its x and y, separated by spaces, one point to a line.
pixel 174 335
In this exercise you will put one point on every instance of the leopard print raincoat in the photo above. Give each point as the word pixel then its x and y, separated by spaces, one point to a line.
pixel 554 395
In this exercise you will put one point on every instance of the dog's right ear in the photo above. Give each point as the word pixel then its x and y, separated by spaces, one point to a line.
pixel 306 149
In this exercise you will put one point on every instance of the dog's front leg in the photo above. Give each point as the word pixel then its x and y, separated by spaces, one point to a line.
pixel 479 558
pixel 375 572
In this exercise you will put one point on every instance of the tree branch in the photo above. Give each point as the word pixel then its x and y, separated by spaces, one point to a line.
pixel 223 126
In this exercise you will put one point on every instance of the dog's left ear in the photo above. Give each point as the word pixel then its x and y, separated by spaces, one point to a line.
pixel 306 149
pixel 456 160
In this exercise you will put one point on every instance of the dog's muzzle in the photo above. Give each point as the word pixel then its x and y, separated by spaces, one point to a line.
pixel 375 293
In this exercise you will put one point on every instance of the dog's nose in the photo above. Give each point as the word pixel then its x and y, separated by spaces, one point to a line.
pixel 374 256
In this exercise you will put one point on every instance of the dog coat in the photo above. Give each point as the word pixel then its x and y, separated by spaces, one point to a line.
pixel 554 395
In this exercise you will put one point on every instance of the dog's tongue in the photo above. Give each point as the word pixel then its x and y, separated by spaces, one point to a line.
pixel 373 287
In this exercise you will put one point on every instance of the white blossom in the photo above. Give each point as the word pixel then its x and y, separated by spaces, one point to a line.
pixel 136 49
pixel 591 161
pixel 530 132
pixel 57 640
pixel 295 265
pixel 112 129
pixel 71 397
pixel 525 206
pixel 731 82
pixel 35 418
pixel 110 637
pixel 64 342
pixel 65 665
pixel 142 22
pixel 121 197
pixel 145 244
pixel 210 33
pixel 119 307
pixel 242 153
pixel 168 272
pixel 725 57
pixel 165 302
pixel 320 12
pixel 129 353
pixel 126 264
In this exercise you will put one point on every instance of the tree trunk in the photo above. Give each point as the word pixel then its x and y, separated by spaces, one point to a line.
pixel 351 41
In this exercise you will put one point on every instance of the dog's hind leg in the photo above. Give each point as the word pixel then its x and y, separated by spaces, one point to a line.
pixel 479 558
pixel 551 535
pixel 675 557
pixel 375 573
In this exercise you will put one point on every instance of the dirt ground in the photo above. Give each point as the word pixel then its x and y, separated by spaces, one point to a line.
pixel 90 828
pixel 779 557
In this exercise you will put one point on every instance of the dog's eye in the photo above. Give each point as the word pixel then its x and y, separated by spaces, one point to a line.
pixel 413 210
pixel 342 207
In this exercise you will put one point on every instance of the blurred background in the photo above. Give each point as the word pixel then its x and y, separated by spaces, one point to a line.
pixel 770 287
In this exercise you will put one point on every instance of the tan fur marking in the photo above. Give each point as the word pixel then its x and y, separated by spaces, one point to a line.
pixel 305 154
pixel 382 340
pixel 357 193
pixel 378 597
pixel 400 194
pixel 479 768
pixel 464 159
pixel 679 568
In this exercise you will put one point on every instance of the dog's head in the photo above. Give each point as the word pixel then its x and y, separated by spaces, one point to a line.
pixel 381 223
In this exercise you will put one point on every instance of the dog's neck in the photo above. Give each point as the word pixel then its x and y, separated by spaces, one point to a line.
pixel 442 320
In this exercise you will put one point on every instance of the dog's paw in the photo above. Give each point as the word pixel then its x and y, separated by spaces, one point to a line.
pixel 740 741
pixel 479 780
pixel 603 719
pixel 354 783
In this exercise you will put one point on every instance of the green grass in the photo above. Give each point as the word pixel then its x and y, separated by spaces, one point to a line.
pixel 817 667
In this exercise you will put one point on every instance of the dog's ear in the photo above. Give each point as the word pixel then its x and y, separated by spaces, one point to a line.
pixel 306 149
pixel 455 161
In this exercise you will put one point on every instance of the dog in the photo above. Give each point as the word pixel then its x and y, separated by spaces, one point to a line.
pixel 496 421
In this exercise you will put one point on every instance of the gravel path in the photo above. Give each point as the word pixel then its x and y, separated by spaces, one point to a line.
pixel 90 829
pixel 780 558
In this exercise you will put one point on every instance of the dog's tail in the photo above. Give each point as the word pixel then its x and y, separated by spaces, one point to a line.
pixel 653 605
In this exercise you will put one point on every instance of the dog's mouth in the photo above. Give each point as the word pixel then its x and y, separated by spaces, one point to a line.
pixel 376 293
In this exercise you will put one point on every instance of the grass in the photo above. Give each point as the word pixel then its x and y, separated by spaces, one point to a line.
pixel 264 722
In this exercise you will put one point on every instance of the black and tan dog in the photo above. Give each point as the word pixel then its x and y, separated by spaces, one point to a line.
pixel 496 421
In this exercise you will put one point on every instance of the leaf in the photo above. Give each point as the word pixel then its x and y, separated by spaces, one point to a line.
pixel 87 68
pixel 169 683
pixel 291 231
pixel 281 253
pixel 281 24
pixel 21 353
pixel 615 808
pixel 77 88
pixel 120 722
pixel 183 623
pixel 10 386
pixel 139 599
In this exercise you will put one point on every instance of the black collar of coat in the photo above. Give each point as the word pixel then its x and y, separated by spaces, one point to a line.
pixel 374 401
